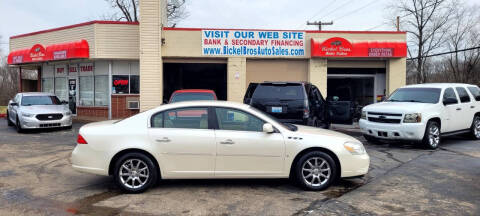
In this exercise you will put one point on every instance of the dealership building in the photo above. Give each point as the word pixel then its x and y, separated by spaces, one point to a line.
pixel 108 69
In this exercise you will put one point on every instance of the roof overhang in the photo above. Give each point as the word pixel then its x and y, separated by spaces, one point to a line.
pixel 53 52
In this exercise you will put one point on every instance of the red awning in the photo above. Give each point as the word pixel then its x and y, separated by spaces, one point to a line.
pixel 340 47
pixel 53 52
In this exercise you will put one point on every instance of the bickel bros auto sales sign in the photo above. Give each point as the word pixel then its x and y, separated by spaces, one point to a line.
pixel 253 43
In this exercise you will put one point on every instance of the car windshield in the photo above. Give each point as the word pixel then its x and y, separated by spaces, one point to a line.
pixel 419 95
pixel 192 96
pixel 40 100
pixel 287 126
pixel 287 91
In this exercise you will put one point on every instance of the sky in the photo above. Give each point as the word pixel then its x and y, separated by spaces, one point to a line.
pixel 24 16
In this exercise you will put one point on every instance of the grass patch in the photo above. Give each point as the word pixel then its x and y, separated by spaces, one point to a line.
pixel 3 109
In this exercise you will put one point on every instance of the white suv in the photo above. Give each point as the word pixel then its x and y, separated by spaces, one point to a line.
pixel 424 112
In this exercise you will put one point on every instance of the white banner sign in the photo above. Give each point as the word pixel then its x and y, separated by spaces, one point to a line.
pixel 253 43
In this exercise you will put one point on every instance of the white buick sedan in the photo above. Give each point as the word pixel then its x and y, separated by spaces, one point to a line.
pixel 214 139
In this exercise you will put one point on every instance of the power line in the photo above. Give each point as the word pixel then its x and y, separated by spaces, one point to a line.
pixel 355 11
pixel 319 11
pixel 444 53
pixel 336 9
pixel 376 27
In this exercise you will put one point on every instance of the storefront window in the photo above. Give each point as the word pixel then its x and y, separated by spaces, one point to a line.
pixel 120 84
pixel 134 84
pixel 101 90
pixel 47 85
pixel 125 84
pixel 61 88
pixel 86 90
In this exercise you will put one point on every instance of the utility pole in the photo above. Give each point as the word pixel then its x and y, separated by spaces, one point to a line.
pixel 398 23
pixel 319 23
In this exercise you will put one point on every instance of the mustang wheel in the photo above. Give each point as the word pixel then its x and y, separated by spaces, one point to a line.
pixel 475 128
pixel 135 172
pixel 9 123
pixel 431 138
pixel 315 171
pixel 18 126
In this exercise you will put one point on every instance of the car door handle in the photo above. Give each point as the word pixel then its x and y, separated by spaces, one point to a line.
pixel 472 107
pixel 227 142
pixel 165 139
pixel 459 108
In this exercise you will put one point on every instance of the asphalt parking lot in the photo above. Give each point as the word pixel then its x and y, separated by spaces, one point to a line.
pixel 36 179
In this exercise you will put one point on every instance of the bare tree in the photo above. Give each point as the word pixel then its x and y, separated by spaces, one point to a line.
pixel 464 34
pixel 426 22
pixel 129 10
pixel 8 80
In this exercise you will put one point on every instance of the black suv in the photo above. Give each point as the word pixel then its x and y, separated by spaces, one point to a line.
pixel 290 102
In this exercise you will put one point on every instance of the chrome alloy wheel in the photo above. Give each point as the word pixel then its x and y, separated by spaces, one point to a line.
pixel 476 128
pixel 134 173
pixel 433 136
pixel 316 171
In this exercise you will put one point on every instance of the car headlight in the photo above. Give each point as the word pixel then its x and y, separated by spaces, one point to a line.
pixel 412 118
pixel 364 115
pixel 356 148
pixel 68 113
pixel 28 115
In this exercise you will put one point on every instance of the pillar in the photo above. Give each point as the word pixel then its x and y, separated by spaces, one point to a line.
pixel 396 74
pixel 152 20
pixel 236 78
pixel 317 74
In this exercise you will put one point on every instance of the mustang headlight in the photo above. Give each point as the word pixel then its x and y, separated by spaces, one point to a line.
pixel 364 115
pixel 68 113
pixel 28 115
pixel 356 148
pixel 412 118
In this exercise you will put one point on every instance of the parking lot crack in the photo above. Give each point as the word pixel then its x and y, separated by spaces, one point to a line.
pixel 456 152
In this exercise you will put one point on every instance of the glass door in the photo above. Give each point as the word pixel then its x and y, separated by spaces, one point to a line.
pixel 72 95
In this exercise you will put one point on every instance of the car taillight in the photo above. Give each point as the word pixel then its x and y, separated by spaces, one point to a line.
pixel 81 140
pixel 306 113
pixel 306 110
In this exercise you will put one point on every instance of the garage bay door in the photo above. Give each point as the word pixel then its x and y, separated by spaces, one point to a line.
pixel 276 70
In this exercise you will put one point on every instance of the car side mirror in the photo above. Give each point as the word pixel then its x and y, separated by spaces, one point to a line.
pixel 268 128
pixel 64 102
pixel 335 98
pixel 448 101
pixel 477 98
pixel 14 104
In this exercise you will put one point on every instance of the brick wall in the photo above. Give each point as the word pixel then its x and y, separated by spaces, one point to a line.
pixel 93 113
pixel 119 106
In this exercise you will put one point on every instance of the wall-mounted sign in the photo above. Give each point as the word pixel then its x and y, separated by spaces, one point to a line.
pixel 62 54
pixel 341 47
pixel 380 52
pixel 336 47
pixel 60 70
pixel 17 59
pixel 88 67
pixel 72 69
pixel 253 43
pixel 37 52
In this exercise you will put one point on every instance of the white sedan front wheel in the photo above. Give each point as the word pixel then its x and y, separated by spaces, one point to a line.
pixel 315 171
pixel 135 172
